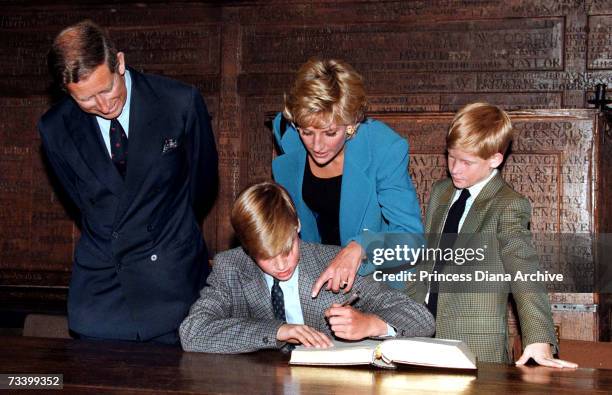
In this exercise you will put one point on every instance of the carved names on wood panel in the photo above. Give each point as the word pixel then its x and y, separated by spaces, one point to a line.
pixel 337 12
pixel 23 52
pixel 598 6
pixel 508 101
pixel 58 15
pixel 229 134
pixel 190 49
pixel 426 136
pixel 573 140
pixel 600 42
pixel 36 233
pixel 433 102
pixel 209 227
pixel 478 45
pixel 260 139
pixel 394 84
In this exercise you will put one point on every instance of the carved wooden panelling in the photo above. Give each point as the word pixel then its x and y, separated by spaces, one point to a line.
pixel 36 233
pixel 487 45
pixel 452 102
pixel 191 49
pixel 600 42
pixel 260 139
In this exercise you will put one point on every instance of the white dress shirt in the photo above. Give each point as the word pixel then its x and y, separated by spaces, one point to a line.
pixel 291 296
pixel 123 118
pixel 474 191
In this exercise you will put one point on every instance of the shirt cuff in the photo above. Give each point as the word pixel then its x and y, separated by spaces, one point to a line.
pixel 390 331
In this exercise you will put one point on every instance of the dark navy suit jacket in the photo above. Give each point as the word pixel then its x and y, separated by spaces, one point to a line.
pixel 141 259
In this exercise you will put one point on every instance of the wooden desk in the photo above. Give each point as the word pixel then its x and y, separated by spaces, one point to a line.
pixel 128 368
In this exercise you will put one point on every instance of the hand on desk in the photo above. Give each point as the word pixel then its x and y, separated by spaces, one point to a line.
pixel 542 354
pixel 351 324
pixel 341 271
pixel 303 334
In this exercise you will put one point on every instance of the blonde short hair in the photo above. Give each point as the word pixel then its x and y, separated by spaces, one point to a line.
pixel 265 220
pixel 325 92
pixel 480 128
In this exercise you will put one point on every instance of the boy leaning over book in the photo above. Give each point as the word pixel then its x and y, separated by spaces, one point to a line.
pixel 259 294
pixel 476 200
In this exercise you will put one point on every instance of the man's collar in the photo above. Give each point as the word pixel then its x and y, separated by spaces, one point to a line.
pixel 124 117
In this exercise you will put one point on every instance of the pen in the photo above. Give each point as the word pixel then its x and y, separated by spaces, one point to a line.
pixel 351 300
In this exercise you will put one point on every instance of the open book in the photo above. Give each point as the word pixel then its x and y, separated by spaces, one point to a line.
pixel 413 351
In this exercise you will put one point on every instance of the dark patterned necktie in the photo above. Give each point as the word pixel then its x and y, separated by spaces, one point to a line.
pixel 278 301
pixel 119 146
pixel 447 240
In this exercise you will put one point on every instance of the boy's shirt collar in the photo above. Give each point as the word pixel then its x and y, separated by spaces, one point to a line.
pixel 291 296
pixel 474 192
pixel 293 281
pixel 476 188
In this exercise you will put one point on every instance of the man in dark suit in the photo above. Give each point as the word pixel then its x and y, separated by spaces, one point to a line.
pixel 136 155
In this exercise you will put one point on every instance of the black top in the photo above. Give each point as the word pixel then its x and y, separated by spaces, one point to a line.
pixel 322 196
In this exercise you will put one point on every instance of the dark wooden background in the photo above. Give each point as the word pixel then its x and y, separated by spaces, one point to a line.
pixel 420 59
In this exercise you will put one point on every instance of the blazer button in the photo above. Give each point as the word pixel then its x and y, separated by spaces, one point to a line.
pixel 265 340
pixel 149 227
pixel 115 235
pixel 153 257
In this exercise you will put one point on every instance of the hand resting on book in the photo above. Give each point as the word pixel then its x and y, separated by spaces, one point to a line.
pixel 303 334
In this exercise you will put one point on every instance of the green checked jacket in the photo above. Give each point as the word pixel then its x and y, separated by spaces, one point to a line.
pixel 478 317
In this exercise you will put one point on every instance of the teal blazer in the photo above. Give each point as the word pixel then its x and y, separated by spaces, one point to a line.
pixel 377 194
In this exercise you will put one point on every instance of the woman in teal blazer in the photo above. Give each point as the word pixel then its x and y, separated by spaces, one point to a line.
pixel 324 138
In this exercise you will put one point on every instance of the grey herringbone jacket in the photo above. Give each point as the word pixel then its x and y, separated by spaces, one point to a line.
pixel 234 313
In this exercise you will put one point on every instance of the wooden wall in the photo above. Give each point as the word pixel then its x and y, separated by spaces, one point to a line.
pixel 417 57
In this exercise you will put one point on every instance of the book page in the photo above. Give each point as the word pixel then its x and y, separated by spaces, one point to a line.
pixel 429 352
pixel 342 353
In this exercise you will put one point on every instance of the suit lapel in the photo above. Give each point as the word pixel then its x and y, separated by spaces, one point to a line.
pixel 87 138
pixel 442 206
pixel 145 140
pixel 256 291
pixel 305 282
pixel 356 188
pixel 478 211
pixel 310 269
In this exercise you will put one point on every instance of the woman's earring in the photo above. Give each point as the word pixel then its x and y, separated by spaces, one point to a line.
pixel 350 130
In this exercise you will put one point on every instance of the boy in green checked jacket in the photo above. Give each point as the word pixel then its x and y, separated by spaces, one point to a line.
pixel 476 200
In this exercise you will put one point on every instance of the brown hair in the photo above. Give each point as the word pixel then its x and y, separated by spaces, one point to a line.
pixel 480 128
pixel 326 91
pixel 265 220
pixel 78 50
